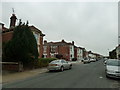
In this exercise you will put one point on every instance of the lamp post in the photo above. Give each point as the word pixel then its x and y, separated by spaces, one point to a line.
pixel 108 52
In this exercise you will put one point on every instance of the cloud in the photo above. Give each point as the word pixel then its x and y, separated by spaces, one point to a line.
pixel 91 25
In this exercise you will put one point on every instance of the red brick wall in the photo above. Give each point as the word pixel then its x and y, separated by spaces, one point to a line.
pixel 41 46
pixel 48 52
pixel 75 52
pixel 64 50
pixel 7 36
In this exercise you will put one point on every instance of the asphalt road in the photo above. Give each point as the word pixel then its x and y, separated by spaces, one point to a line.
pixel 90 75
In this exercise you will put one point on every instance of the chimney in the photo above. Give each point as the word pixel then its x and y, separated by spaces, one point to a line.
pixel 13 20
pixel 2 26
pixel 62 40
pixel 73 42
pixel 45 41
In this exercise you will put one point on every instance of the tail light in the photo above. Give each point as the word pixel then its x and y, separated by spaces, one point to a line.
pixel 53 64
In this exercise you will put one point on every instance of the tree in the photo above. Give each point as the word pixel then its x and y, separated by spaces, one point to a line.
pixel 23 46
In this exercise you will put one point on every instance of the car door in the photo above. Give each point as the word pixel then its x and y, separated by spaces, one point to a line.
pixel 66 64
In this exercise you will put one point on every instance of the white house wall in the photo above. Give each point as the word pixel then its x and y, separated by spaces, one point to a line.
pixel 71 52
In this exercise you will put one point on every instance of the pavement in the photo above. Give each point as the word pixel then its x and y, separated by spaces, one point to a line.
pixel 21 75
pixel 11 77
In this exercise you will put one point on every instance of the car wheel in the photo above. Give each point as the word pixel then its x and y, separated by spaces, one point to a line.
pixel 50 70
pixel 107 76
pixel 62 69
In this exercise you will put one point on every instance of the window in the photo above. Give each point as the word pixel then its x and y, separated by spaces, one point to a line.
pixel 70 48
pixel 45 48
pixel 36 37
pixel 45 56
pixel 63 61
pixel 53 49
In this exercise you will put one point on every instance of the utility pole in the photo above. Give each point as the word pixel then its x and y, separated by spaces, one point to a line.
pixel 13 10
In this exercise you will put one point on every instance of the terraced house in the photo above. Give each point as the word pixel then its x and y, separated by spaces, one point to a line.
pixel 7 33
pixel 61 49
pixel 115 53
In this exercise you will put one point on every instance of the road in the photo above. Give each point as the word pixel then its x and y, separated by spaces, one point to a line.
pixel 90 75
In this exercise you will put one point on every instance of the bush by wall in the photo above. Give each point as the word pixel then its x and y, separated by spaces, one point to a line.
pixel 43 62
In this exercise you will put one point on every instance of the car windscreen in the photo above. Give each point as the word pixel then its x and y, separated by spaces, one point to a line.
pixel 56 61
pixel 85 59
pixel 113 62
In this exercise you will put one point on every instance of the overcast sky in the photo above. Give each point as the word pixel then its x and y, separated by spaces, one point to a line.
pixel 92 25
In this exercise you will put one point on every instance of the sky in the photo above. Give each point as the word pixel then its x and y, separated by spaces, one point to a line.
pixel 92 25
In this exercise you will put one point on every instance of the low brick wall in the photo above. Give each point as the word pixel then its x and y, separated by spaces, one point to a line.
pixel 12 66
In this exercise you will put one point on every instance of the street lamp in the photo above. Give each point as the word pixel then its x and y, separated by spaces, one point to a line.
pixel 108 52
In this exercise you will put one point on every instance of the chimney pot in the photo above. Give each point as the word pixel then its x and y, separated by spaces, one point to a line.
pixel 73 42
pixel 13 20
pixel 45 41
pixel 63 40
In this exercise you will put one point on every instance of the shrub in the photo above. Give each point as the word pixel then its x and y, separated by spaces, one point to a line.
pixel 43 62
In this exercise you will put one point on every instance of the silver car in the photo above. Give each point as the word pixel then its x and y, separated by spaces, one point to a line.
pixel 86 60
pixel 92 60
pixel 59 65
pixel 112 68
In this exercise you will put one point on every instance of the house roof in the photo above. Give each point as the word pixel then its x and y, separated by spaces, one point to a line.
pixel 4 29
pixel 57 43
pixel 33 28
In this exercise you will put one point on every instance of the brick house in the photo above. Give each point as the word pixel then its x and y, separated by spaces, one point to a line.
pixel 92 55
pixel 115 53
pixel 39 38
pixel 85 53
pixel 78 52
pixel 7 33
pixel 62 48
pixel 75 52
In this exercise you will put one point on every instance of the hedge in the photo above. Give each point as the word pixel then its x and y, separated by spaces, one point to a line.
pixel 43 62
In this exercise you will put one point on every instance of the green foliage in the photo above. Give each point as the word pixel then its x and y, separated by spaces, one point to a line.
pixel 22 46
pixel 43 62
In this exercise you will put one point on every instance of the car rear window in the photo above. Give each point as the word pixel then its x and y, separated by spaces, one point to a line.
pixel 56 61
pixel 113 62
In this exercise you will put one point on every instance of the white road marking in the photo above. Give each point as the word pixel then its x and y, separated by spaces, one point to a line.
pixel 100 77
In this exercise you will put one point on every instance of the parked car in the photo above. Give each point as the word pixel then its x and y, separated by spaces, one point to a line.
pixel 112 68
pixel 92 60
pixel 82 59
pixel 59 65
pixel 105 59
pixel 86 61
